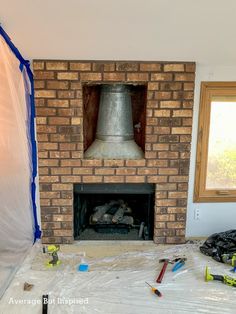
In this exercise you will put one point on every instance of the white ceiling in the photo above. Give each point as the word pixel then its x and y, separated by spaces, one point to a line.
pixel 176 30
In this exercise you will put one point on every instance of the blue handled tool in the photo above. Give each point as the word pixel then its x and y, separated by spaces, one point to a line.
pixel 180 263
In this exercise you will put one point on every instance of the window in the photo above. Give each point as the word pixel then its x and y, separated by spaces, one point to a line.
pixel 215 176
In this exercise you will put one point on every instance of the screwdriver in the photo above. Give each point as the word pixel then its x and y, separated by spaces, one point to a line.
pixel 154 290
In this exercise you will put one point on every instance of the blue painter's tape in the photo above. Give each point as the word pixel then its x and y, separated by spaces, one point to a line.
pixel 31 116
pixel 21 67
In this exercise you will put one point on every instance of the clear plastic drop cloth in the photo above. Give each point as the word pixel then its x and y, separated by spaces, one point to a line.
pixel 115 281
pixel 16 217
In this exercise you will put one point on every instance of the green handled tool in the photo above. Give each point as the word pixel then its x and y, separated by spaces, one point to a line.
pixel 230 259
pixel 230 281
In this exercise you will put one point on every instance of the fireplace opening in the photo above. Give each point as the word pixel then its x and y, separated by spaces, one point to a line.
pixel 113 211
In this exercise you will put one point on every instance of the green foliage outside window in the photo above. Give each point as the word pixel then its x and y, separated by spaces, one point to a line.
pixel 221 172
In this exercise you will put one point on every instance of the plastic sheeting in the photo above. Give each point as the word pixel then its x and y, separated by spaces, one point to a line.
pixel 116 279
pixel 16 216
pixel 220 243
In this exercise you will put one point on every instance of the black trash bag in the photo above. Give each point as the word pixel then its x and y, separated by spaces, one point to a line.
pixel 220 243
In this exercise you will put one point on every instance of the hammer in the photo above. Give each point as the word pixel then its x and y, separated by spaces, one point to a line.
pixel 167 261
pixel 162 272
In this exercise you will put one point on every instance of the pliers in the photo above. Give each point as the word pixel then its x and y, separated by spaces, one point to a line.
pixel 179 263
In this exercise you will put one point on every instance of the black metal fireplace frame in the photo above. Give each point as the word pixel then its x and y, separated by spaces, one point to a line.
pixel 121 188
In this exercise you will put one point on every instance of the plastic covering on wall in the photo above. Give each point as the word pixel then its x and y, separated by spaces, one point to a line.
pixel 17 188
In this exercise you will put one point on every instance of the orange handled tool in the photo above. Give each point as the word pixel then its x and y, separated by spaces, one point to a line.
pixel 154 290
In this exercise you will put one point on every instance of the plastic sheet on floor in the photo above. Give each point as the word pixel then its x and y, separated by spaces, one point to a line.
pixel 9 264
pixel 115 282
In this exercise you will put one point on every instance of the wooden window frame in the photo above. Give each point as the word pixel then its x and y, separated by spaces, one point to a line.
pixel 208 91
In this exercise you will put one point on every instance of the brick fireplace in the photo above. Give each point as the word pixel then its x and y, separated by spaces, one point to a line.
pixel 59 88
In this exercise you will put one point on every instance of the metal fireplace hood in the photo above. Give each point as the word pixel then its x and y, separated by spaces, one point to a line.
pixel 115 135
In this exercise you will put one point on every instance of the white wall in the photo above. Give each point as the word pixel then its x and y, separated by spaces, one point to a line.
pixel 165 30
pixel 214 217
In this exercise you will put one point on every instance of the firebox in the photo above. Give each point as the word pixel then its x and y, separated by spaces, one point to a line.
pixel 113 211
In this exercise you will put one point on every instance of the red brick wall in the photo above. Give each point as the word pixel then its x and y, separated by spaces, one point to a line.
pixel 59 110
